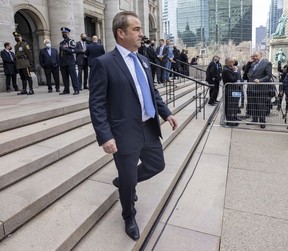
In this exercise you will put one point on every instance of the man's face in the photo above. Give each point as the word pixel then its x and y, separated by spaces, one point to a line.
pixel 216 59
pixel 132 37
pixel 167 42
pixel 161 42
pixel 231 63
pixel 257 57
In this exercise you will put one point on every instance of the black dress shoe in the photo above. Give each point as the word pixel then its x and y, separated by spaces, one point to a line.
pixel 216 101
pixel 22 92
pixel 131 228
pixel 76 93
pixel 57 90
pixel 31 92
pixel 86 87
pixel 262 126
pixel 49 91
pixel 116 184
pixel 63 93
pixel 211 103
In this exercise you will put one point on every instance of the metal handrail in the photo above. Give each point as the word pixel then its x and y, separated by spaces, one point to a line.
pixel 171 90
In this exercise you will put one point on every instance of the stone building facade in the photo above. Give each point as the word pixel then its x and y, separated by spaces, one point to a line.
pixel 37 20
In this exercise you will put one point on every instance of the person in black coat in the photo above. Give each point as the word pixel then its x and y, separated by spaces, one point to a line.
pixel 82 61
pixel 151 55
pixel 213 77
pixel 175 64
pixel 184 59
pixel 10 70
pixel 94 50
pixel 230 75
pixel 49 61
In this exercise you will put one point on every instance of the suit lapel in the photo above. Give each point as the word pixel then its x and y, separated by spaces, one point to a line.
pixel 122 65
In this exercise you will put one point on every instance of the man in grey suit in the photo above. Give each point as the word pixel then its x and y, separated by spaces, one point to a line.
pixel 124 108
pixel 260 71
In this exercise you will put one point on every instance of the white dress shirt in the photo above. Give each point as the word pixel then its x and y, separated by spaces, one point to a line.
pixel 130 64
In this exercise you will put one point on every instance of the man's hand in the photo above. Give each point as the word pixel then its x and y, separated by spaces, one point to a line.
pixel 110 146
pixel 173 122
pixel 256 80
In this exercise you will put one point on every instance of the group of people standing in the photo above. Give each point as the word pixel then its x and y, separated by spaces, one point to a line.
pixel 167 57
pixel 51 61
pixel 256 71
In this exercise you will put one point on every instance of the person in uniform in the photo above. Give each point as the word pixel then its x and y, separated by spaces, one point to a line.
pixel 67 62
pixel 23 58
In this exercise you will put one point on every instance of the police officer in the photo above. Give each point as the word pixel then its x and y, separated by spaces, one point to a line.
pixel 67 62
pixel 23 58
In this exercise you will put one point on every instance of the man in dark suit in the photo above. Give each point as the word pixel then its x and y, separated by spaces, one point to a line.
pixel 213 77
pixel 124 108
pixel 161 59
pixel 10 70
pixel 151 55
pixel 82 61
pixel 94 50
pixel 49 61
pixel 260 71
pixel 184 58
pixel 67 62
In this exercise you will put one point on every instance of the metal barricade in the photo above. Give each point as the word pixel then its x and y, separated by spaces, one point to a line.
pixel 252 103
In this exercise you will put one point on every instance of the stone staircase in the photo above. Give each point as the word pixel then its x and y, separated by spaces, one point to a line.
pixel 55 181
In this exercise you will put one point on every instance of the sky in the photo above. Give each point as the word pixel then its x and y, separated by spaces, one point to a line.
pixel 259 15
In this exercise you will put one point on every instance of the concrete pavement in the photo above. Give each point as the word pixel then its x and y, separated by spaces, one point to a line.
pixel 232 196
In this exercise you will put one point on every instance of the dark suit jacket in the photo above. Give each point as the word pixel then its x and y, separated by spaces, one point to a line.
pixel 151 54
pixel 164 53
pixel 8 63
pixel 114 104
pixel 47 61
pixel 213 74
pixel 80 54
pixel 263 71
pixel 94 50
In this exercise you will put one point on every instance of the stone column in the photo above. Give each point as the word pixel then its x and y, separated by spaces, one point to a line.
pixel 112 8
pixel 285 12
pixel 79 19
pixel 7 24
pixel 61 13
pixel 143 14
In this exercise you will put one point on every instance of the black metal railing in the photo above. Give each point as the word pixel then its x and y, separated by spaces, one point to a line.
pixel 200 96
pixel 199 73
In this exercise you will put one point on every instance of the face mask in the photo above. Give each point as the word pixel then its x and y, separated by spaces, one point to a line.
pixel 83 39
pixel 64 35
pixel 17 39
pixel 48 45
pixel 10 48
pixel 152 44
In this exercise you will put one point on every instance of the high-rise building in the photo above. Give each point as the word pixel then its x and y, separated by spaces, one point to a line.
pixel 276 10
pixel 169 20
pixel 217 21
pixel 261 35
pixel 230 20
pixel 192 21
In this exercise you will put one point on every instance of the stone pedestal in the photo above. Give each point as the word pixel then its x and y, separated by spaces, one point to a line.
pixel 275 45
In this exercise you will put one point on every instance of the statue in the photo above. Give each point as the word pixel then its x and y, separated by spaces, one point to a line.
pixel 280 29
pixel 280 56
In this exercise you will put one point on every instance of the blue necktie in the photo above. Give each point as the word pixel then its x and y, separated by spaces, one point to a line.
pixel 147 99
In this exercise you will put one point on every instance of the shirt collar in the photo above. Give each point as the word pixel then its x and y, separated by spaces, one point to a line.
pixel 123 51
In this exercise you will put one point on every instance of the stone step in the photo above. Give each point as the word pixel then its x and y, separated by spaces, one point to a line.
pixel 109 234
pixel 60 226
pixel 32 194
pixel 23 115
pixel 24 136
pixel 30 231
pixel 19 164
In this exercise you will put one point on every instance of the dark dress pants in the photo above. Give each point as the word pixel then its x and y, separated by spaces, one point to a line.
pixel 25 76
pixel 55 73
pixel 8 81
pixel 213 92
pixel 83 68
pixel 150 153
pixel 66 71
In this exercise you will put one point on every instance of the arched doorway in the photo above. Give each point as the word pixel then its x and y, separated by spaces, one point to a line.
pixel 33 28
pixel 152 28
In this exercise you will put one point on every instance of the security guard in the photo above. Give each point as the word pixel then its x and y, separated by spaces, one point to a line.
pixel 23 58
pixel 67 62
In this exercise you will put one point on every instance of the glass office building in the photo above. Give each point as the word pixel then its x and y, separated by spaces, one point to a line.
pixel 217 21
pixel 230 20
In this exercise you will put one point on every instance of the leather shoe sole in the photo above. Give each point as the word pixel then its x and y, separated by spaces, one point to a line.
pixel 131 229
pixel 116 184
